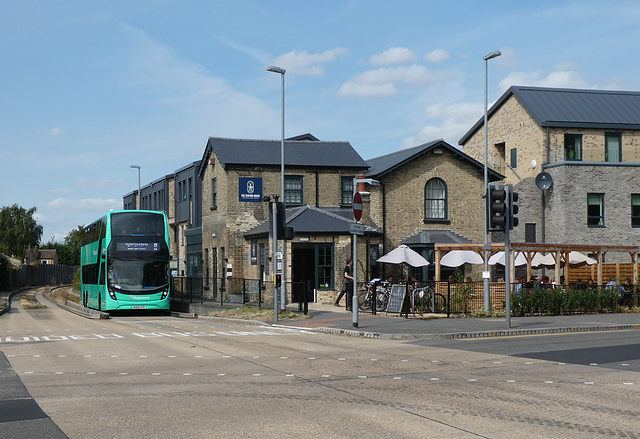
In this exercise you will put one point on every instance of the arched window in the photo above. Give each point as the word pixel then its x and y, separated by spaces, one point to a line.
pixel 435 200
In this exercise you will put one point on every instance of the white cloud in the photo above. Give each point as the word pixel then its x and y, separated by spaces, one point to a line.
pixel 449 122
pixel 565 76
pixel 192 92
pixel 437 56
pixel 56 132
pixel 303 63
pixel 104 183
pixel 508 58
pixel 394 55
pixel 382 82
pixel 87 204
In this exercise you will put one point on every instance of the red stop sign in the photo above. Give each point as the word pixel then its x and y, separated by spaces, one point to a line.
pixel 357 206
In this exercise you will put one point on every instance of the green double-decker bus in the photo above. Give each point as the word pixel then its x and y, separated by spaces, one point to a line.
pixel 125 261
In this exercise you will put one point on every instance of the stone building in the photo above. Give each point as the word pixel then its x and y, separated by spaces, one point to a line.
pixel 586 143
pixel 428 194
pixel 237 174
pixel 178 195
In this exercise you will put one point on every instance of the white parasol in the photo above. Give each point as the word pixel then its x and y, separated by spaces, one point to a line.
pixel 404 255
pixel 519 260
pixel 456 258
pixel 576 259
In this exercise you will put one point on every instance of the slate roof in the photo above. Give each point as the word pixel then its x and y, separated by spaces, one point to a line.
pixel 297 153
pixel 380 166
pixel 310 220
pixel 440 236
pixel 572 108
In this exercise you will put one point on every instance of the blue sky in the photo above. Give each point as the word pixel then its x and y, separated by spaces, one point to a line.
pixel 88 88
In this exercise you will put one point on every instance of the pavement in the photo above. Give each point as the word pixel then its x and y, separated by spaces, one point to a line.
pixel 328 318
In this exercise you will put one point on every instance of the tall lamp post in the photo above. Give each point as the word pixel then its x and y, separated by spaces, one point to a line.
pixel 485 274
pixel 139 199
pixel 354 272
pixel 283 291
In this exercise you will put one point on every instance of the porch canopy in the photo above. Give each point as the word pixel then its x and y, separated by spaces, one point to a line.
pixel 529 249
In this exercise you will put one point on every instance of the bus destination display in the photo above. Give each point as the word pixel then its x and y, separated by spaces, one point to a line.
pixel 137 246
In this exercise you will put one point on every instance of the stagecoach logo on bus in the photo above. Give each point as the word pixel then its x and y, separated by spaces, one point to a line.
pixel 250 189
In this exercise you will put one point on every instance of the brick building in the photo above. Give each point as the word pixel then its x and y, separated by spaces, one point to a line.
pixel 236 175
pixel 431 193
pixel 587 142
pixel 428 194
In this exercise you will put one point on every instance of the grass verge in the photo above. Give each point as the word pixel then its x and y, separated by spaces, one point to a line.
pixel 247 312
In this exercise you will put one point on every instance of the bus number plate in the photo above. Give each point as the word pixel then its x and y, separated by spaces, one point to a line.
pixel 138 307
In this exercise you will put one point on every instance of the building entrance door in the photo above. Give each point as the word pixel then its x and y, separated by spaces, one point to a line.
pixel 303 271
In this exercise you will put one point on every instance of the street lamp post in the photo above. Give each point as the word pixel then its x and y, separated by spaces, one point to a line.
pixel 485 274
pixel 283 290
pixel 354 271
pixel 139 199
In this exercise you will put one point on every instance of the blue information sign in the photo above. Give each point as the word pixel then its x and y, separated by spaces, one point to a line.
pixel 250 189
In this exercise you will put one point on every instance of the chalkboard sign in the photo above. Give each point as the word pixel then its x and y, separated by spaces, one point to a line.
pixel 396 299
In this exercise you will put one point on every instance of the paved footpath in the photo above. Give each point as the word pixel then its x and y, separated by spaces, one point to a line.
pixel 332 319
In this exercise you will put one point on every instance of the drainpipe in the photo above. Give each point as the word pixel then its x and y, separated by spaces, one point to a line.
pixel 317 191
pixel 542 215
pixel 384 226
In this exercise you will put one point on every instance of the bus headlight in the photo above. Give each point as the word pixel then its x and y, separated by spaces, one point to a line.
pixel 112 294
pixel 165 294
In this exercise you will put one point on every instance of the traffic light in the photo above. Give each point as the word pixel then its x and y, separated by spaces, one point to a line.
pixel 513 210
pixel 282 231
pixel 278 281
pixel 496 208
pixel 281 219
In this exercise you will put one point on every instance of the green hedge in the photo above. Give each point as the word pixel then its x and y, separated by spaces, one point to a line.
pixel 556 301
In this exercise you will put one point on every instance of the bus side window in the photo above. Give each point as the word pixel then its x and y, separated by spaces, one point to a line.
pixel 103 269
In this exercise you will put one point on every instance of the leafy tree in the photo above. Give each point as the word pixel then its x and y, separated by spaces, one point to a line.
pixel 18 230
pixel 6 273
pixel 69 250
pixel 73 241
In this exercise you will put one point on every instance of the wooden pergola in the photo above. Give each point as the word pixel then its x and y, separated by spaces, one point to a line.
pixel 529 249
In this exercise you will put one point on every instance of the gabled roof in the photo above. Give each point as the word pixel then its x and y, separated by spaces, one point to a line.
pixel 310 220
pixel 572 108
pixel 440 236
pixel 297 153
pixel 47 253
pixel 380 166
pixel 307 136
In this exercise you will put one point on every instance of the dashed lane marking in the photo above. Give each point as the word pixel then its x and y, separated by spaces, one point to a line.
pixel 275 331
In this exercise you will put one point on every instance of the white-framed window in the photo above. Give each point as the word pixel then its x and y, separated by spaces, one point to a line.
pixel 347 191
pixel 293 190
pixel 435 200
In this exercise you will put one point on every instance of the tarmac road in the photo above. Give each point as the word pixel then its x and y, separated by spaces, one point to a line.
pixel 172 377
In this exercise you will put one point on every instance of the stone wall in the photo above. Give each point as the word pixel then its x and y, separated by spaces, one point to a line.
pixel 566 206
pixel 512 126
pixel 405 191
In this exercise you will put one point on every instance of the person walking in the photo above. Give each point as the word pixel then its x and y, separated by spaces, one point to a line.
pixel 347 285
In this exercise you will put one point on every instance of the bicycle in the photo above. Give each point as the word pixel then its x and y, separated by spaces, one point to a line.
pixel 426 300
pixel 381 296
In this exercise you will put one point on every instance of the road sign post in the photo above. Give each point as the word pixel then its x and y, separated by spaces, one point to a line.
pixel 357 206
pixel 355 231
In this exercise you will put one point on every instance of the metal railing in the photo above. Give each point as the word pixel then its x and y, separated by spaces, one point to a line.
pixel 254 292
